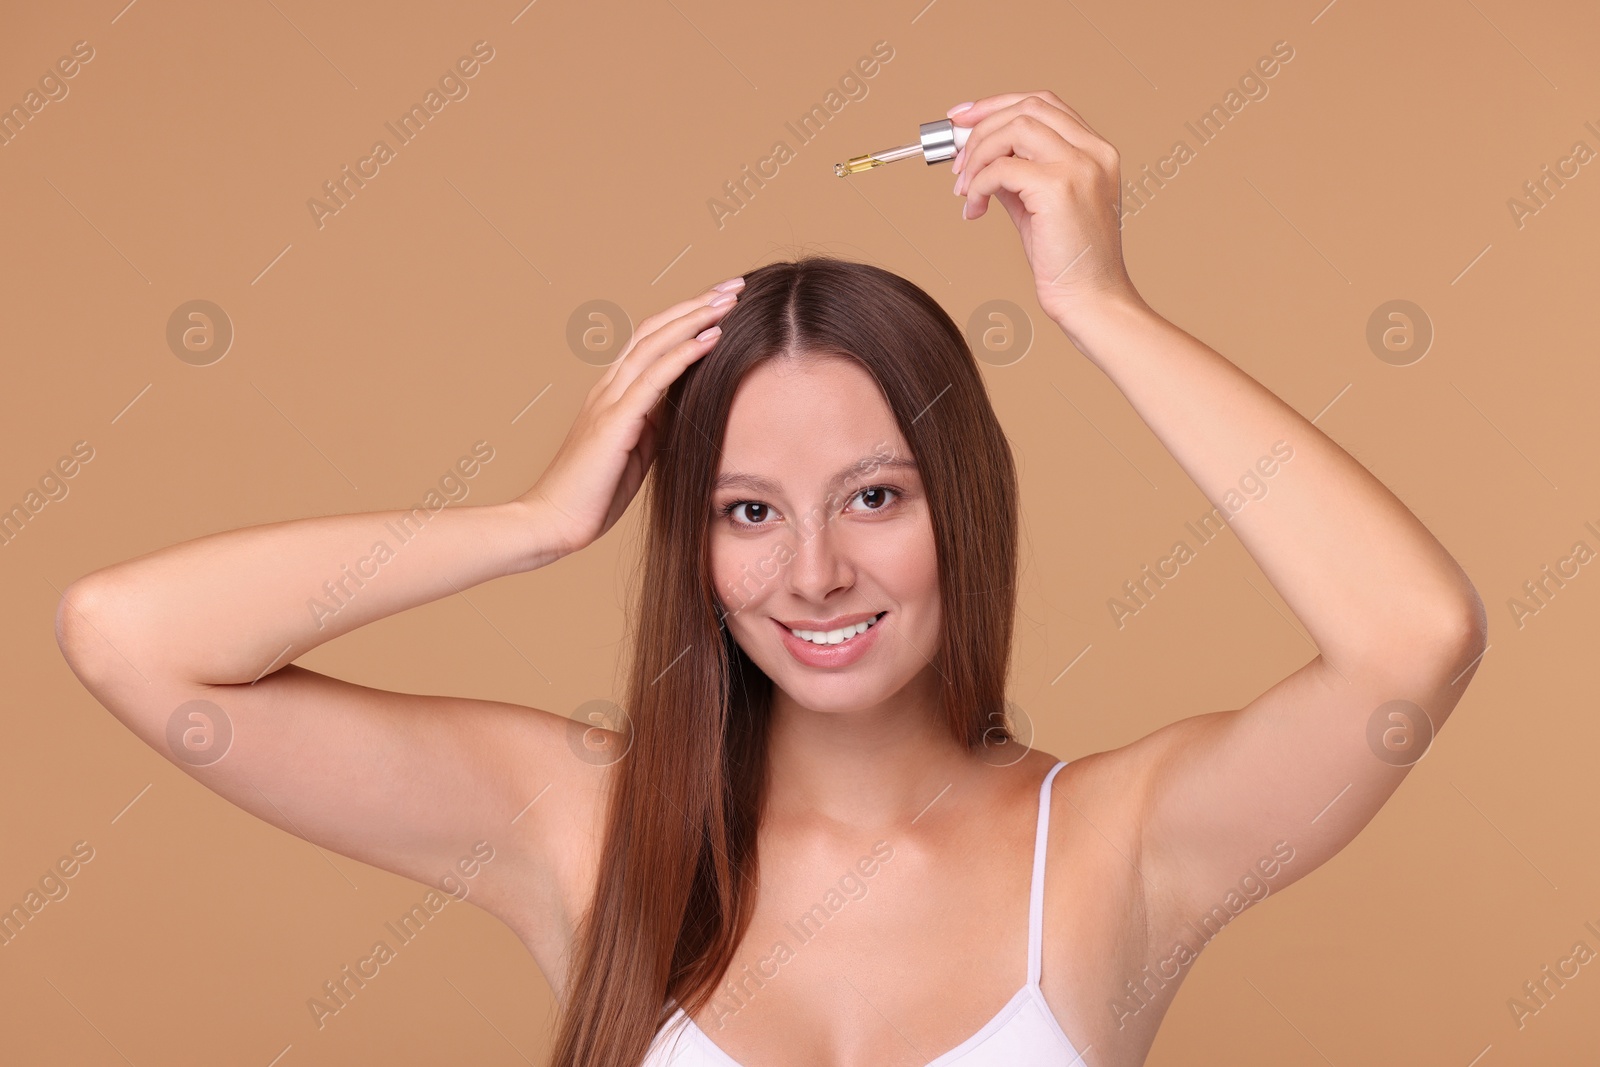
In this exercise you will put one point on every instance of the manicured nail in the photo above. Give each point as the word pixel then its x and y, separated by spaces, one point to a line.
pixel 958 109
pixel 956 189
pixel 731 283
pixel 708 333
pixel 965 205
pixel 724 300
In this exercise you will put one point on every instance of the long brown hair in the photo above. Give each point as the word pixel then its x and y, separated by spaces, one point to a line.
pixel 677 874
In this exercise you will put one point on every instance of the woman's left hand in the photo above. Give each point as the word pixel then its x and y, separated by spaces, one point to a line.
pixel 1061 183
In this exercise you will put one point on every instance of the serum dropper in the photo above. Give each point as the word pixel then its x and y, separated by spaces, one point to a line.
pixel 937 141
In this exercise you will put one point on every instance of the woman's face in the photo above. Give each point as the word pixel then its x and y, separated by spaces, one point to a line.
pixel 818 516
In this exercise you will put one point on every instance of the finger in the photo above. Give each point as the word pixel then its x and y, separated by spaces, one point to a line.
pixel 987 106
pixel 1013 205
pixel 646 449
pixel 651 346
pixel 668 314
pixel 1014 175
pixel 682 307
pixel 1031 111
pixel 1021 135
pixel 646 390
pixel 656 321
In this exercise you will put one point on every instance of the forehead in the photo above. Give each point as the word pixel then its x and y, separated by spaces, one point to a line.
pixel 800 422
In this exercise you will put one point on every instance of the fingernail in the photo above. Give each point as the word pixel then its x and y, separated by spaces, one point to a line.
pixel 708 333
pixel 956 189
pixel 958 109
pixel 731 283
pixel 724 300
pixel 965 204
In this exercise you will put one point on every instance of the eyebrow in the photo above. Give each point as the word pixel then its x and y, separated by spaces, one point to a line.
pixel 757 484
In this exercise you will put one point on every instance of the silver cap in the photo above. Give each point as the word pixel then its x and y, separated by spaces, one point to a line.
pixel 938 140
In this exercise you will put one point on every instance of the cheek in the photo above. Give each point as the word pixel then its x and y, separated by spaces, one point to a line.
pixel 742 572
pixel 915 571
pixel 908 565
pixel 736 579
pixel 904 569
pixel 725 561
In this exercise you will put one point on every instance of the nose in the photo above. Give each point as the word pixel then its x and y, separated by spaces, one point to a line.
pixel 821 564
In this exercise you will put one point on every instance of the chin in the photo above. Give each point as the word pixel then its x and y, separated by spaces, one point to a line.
pixel 823 700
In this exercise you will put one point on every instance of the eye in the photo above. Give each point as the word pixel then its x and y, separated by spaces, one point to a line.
pixel 877 491
pixel 758 514
pixel 755 506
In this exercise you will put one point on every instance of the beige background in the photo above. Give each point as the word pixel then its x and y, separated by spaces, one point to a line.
pixel 372 352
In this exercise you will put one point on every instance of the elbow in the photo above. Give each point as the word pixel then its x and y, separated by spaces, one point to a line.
pixel 1467 628
pixel 1448 638
pixel 1445 643
pixel 80 620
pixel 1471 636
pixel 91 631
pixel 69 620
pixel 1458 625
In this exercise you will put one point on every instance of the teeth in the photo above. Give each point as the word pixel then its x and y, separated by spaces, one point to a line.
pixel 834 637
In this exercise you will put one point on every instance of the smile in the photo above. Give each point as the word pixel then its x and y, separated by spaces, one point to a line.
pixel 837 637
pixel 831 648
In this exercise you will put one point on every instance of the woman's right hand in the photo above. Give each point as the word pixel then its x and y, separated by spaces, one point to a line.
pixel 603 461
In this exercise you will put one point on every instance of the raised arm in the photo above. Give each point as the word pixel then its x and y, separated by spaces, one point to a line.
pixel 1395 619
pixel 191 647
pixel 1309 761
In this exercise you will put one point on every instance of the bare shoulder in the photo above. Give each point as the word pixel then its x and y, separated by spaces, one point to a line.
pixel 1103 791
pixel 1100 906
pixel 1095 805
pixel 1099 804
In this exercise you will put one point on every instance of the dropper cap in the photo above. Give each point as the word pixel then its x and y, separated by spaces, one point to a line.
pixel 938 141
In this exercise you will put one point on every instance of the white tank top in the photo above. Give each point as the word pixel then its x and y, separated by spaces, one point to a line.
pixel 1024 1033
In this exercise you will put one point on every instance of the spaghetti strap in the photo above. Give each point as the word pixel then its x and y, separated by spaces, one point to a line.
pixel 1025 1032
pixel 1036 893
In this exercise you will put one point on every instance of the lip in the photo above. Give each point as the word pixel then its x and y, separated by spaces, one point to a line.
pixel 838 622
pixel 840 655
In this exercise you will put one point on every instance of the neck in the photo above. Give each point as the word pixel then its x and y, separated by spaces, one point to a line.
pixel 864 769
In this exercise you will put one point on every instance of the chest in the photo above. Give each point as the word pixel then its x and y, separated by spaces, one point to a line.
pixel 910 961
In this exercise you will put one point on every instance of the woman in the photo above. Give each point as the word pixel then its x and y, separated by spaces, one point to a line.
pixel 816 842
